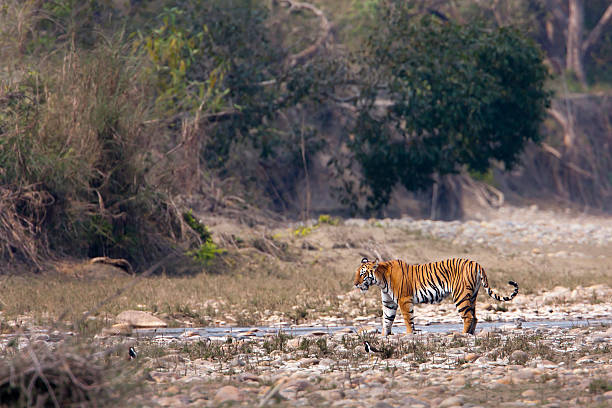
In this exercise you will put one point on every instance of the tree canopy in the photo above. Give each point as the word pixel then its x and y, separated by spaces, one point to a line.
pixel 455 95
pixel 109 109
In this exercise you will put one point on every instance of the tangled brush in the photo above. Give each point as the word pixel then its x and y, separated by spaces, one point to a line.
pixel 43 377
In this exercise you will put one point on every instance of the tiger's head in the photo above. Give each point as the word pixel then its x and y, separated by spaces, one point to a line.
pixel 364 277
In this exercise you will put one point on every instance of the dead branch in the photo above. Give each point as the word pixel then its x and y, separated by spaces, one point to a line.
pixel 596 32
pixel 569 136
pixel 565 162
pixel 548 148
pixel 42 376
pixel 120 263
pixel 325 27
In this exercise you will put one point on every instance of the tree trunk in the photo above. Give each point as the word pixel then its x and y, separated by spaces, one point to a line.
pixel 574 40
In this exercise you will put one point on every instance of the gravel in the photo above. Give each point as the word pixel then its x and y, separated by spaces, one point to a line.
pixel 508 227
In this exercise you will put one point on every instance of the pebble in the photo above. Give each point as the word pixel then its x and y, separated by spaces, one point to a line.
pixel 228 393
pixel 519 356
pixel 529 393
pixel 509 225
pixel 451 402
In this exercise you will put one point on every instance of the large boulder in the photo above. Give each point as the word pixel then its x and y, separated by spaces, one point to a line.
pixel 140 319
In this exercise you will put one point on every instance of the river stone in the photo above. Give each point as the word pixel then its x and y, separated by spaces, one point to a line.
pixel 332 395
pixel 174 401
pixel 413 402
pixel 451 402
pixel 529 393
pixel 507 380
pixel 469 357
pixel 228 393
pixel 519 356
pixel 525 373
pixel 383 404
pixel 458 380
pixel 140 319
pixel 294 343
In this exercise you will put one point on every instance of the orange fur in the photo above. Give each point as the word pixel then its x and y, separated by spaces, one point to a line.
pixel 404 285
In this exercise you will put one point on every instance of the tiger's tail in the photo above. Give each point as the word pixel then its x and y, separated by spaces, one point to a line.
pixel 490 292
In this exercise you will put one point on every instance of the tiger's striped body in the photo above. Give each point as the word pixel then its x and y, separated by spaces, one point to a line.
pixel 402 285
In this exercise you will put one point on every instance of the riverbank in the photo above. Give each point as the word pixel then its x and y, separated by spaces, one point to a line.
pixel 295 275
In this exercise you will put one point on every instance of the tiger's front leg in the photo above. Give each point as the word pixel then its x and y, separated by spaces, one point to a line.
pixel 406 306
pixel 389 309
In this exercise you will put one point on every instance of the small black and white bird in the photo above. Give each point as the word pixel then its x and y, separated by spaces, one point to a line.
pixel 132 353
pixel 370 348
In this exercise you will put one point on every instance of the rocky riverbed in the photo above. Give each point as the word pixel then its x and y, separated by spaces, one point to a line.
pixel 510 366
pixel 561 261
pixel 509 229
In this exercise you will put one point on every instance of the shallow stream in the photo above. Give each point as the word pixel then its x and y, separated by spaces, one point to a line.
pixel 215 333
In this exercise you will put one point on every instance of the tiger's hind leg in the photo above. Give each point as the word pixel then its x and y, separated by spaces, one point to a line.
pixel 467 309
pixel 472 327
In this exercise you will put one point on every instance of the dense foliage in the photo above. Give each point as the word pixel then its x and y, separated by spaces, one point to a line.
pixel 458 95
pixel 109 109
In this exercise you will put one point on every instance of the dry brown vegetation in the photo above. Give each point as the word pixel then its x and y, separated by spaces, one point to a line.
pixel 248 284
pixel 69 375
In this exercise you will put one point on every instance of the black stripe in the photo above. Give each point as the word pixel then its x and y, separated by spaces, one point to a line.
pixel 464 308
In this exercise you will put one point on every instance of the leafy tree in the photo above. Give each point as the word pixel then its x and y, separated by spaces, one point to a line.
pixel 226 59
pixel 458 95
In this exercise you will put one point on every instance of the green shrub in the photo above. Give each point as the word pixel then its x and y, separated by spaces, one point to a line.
pixel 207 250
pixel 328 219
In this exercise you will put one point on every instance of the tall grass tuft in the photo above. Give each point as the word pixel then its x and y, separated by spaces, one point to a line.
pixel 73 160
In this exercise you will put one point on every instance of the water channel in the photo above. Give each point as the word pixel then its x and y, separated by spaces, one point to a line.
pixel 297 330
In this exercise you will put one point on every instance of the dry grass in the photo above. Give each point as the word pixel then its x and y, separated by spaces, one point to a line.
pixel 248 284
pixel 259 284
pixel 73 375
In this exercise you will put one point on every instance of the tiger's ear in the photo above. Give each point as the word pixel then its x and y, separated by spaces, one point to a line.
pixel 376 263
pixel 364 260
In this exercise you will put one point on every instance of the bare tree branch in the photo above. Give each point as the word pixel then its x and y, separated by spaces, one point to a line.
pixel 557 154
pixel 325 30
pixel 596 32
pixel 568 126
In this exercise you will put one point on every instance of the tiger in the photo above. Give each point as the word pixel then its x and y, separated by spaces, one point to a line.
pixel 404 285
